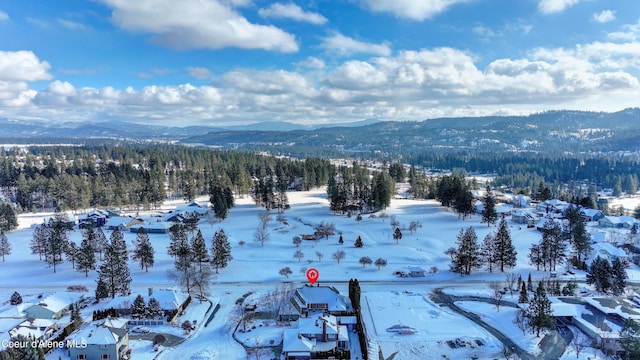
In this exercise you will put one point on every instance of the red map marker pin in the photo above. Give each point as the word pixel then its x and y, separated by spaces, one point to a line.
pixel 312 275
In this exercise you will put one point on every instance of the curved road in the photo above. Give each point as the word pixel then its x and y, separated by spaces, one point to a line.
pixel 552 345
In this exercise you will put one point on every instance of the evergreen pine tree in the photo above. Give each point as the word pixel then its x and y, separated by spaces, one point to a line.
pixel 138 308
pixel 143 250
pixel 529 283
pixel 57 240
pixel 599 274
pixel 102 291
pixel 153 309
pixel 8 217
pixel 71 251
pixel 618 277
pixel 397 235
pixel 358 242
pixel 524 297
pixel 177 239
pixel 101 241
pixel 487 251
pixel 505 252
pixel 86 257
pixel 5 245
pixel 114 271
pixel 38 243
pixel 630 339
pixel 539 313
pixel 220 250
pixel 16 298
pixel 467 256
pixel 199 248
pixel 76 317
pixel 580 240
pixel 552 246
pixel 489 214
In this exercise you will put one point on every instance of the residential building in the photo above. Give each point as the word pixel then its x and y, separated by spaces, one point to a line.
pixel 100 340
pixel 53 306
pixel 317 337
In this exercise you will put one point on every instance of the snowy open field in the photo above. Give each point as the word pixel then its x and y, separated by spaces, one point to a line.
pixel 255 268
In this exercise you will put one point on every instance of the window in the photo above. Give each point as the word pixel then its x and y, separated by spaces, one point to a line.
pixel 105 357
pixel 81 357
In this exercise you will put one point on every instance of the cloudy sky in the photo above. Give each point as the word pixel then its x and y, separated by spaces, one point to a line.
pixel 229 62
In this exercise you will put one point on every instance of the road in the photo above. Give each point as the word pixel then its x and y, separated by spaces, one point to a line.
pixel 552 345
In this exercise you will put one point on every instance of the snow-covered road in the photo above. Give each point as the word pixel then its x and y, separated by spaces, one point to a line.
pixel 214 341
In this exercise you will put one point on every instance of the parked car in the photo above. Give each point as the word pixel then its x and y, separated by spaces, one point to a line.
pixel 140 330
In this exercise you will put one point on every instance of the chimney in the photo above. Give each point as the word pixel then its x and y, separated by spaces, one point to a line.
pixel 324 330
pixel 150 291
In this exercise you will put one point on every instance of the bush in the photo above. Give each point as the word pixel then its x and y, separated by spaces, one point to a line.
pixel 16 298
pixel 77 288
pixel 159 339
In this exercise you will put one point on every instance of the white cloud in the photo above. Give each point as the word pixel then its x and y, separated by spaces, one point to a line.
pixel 344 46
pixel 604 16
pixel 629 33
pixel 418 10
pixel 22 66
pixel 197 24
pixel 555 6
pixel 312 62
pixel 4 16
pixel 199 73
pixel 71 24
pixel 408 85
pixel 291 11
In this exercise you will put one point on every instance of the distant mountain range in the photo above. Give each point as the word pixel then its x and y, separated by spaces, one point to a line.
pixel 547 132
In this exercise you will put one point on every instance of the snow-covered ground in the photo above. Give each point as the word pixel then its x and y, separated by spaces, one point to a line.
pixel 255 268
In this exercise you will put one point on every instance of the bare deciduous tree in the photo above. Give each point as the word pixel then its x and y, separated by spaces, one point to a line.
pixel 338 256
pixel 510 281
pixel 579 342
pixel 496 293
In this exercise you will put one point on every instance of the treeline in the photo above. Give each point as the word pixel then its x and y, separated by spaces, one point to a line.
pixel 355 189
pixel 525 171
pixel 139 176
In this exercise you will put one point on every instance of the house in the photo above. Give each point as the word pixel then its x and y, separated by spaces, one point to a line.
pixel 171 301
pixel 99 340
pixel 625 222
pixel 96 217
pixel 192 209
pixel 53 306
pixel 39 329
pixel 416 271
pixel 320 299
pixel 591 214
pixel 553 205
pixel 317 337
pixel 605 251
pixel 542 224
pixel 520 201
pixel 122 222
pixel 153 227
pixel 523 217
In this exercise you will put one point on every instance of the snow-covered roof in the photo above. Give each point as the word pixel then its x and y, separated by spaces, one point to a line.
pixel 614 306
pixel 322 295
pixel 60 300
pixel 561 308
pixel 589 212
pixel 604 248
pixel 117 322
pixel 169 299
pixel 96 334
pixel 293 342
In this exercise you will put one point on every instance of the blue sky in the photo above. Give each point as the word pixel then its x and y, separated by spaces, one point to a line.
pixel 230 62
